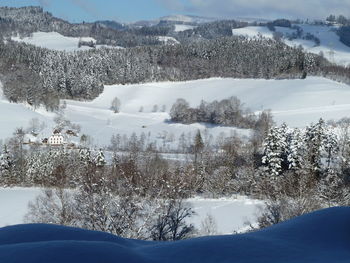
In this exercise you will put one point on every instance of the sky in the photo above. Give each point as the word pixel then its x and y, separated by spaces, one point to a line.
pixel 134 10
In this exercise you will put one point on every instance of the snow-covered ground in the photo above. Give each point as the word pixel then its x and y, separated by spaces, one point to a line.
pixel 56 41
pixel 296 102
pixel 14 115
pixel 14 204
pixel 230 214
pixel 331 47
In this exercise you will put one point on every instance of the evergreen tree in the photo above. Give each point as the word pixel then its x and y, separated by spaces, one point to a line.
pixel 296 149
pixel 314 138
pixel 6 165
pixel 100 159
pixel 198 145
pixel 331 189
pixel 275 151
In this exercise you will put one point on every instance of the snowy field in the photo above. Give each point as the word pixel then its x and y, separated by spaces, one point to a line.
pixel 331 47
pixel 296 102
pixel 56 41
pixel 230 214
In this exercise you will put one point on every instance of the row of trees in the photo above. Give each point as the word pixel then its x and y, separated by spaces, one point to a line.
pixel 296 170
pixel 107 198
pixel 228 112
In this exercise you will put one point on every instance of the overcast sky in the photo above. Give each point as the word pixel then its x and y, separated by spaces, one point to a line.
pixel 133 10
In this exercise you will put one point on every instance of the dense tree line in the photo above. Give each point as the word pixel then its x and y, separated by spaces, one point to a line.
pixel 210 30
pixel 80 75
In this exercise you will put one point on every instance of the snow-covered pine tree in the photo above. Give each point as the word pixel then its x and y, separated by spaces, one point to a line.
pixel 331 148
pixel 100 159
pixel 331 189
pixel 296 149
pixel 314 139
pixel 6 164
pixel 85 156
pixel 275 150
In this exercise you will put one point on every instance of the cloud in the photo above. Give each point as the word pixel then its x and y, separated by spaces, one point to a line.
pixel 172 5
pixel 44 3
pixel 87 7
pixel 261 8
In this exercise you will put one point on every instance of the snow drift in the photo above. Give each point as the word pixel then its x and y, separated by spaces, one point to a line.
pixel 322 236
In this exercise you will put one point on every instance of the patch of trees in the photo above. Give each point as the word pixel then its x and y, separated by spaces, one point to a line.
pixel 304 170
pixel 298 34
pixel 282 23
pixel 106 198
pixel 342 20
pixel 227 112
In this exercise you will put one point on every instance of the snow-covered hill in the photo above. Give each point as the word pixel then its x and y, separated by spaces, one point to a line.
pixel 304 239
pixel 330 45
pixel 14 115
pixel 296 102
pixel 56 41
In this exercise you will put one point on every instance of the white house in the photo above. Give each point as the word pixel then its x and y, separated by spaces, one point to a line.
pixel 56 139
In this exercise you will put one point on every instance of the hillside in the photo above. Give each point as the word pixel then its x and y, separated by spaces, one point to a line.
pixel 303 239
pixel 330 45
pixel 56 41
pixel 296 102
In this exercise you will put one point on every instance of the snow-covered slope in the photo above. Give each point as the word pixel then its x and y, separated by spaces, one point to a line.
pixel 330 45
pixel 56 41
pixel 304 239
pixel 296 102
pixel 14 115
